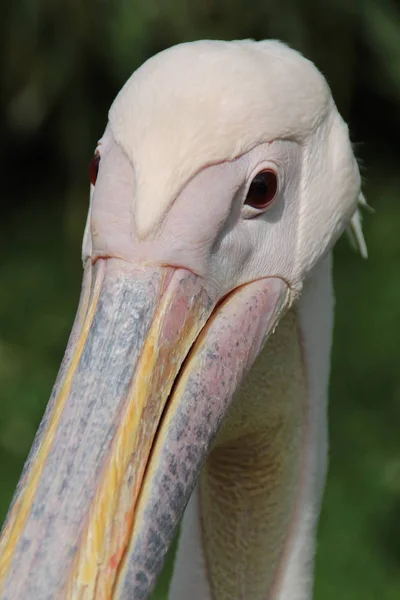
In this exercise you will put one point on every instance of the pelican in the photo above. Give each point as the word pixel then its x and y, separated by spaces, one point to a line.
pixel 197 368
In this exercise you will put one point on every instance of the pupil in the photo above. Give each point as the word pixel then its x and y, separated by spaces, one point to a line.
pixel 259 189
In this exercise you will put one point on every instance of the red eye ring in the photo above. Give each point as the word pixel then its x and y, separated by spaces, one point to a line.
pixel 94 168
pixel 262 190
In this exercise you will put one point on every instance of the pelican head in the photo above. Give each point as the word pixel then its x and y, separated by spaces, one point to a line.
pixel 223 179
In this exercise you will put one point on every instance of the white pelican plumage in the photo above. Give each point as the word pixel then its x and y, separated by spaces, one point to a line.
pixel 223 179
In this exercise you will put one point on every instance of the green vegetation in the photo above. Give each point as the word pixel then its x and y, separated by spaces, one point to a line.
pixel 63 65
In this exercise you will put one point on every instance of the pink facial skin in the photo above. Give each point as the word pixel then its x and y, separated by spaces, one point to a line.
pixel 206 228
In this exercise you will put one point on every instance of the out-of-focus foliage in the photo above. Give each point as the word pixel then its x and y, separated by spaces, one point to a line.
pixel 61 65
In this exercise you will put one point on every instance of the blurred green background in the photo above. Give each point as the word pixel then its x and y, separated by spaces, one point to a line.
pixel 61 65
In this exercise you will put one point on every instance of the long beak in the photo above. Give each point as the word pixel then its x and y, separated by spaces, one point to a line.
pixel 149 372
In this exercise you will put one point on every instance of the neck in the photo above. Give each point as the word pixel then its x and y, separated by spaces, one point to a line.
pixel 249 530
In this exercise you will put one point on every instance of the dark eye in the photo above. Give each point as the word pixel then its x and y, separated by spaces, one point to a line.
pixel 262 190
pixel 94 168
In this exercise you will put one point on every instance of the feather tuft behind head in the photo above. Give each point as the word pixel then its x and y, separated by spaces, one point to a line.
pixel 354 230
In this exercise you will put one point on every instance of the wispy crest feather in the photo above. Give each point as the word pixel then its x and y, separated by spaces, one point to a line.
pixel 354 230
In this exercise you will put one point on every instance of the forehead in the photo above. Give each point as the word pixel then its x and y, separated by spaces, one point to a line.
pixel 205 102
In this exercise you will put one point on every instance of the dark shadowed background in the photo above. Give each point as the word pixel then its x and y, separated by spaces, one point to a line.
pixel 62 63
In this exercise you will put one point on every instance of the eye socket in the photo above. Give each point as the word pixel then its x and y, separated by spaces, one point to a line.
pixel 94 168
pixel 262 189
